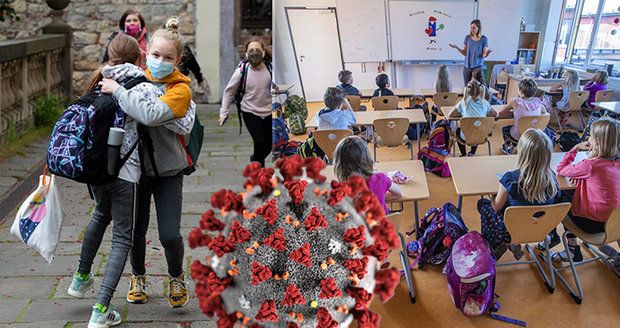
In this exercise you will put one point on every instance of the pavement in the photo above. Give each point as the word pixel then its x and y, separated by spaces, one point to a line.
pixel 34 294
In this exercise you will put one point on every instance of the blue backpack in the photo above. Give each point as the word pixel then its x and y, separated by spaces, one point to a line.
pixel 78 144
pixel 279 132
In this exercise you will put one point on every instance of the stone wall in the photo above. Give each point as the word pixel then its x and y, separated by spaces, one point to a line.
pixel 93 22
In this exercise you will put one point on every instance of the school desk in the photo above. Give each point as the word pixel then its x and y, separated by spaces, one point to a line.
pixel 547 89
pixel 414 190
pixel 612 106
pixel 477 175
pixel 366 118
pixel 445 110
pixel 283 89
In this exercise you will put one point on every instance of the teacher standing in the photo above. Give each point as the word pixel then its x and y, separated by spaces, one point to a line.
pixel 475 49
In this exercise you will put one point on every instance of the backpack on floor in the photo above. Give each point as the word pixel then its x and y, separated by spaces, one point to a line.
pixel 295 105
pixel 279 132
pixel 438 231
pixel 434 160
pixel 439 138
pixel 310 149
pixel 470 272
pixel 286 149
pixel 77 148
pixel 297 124
pixel 568 140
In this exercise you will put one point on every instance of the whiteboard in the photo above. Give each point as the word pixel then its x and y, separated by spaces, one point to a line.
pixel 500 23
pixel 363 31
pixel 416 36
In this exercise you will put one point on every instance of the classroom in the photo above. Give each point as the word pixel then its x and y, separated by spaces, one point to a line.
pixel 503 113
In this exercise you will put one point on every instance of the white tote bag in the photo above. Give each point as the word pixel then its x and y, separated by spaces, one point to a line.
pixel 39 218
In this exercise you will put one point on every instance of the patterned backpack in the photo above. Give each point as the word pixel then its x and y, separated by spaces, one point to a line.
pixel 471 278
pixel 78 144
pixel 438 231
pixel 296 111
pixel 434 155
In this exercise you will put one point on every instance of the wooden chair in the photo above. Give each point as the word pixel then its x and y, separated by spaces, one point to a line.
pixel 575 101
pixel 391 131
pixel 530 224
pixel 441 99
pixel 603 95
pixel 536 122
pixel 328 139
pixel 356 102
pixel 610 235
pixel 385 103
pixel 476 131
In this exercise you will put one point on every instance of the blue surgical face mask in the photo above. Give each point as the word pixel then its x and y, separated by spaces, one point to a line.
pixel 159 69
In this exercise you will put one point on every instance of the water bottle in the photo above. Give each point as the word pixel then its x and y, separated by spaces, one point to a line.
pixel 115 141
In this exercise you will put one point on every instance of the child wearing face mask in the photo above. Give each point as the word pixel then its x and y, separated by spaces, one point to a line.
pixel 250 87
pixel 131 23
pixel 164 166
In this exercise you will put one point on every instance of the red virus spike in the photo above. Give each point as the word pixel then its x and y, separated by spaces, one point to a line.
pixel 361 296
pixel 355 236
pixel 379 250
pixel 315 220
pixel 329 289
pixel 220 246
pixel 196 238
pixel 314 166
pixel 338 192
pixel 267 312
pixel 269 211
pixel 357 184
pixel 366 319
pixel 227 200
pixel 367 202
pixel 296 190
pixel 290 167
pixel 208 221
pixel 251 170
pixel 238 234
pixel 199 271
pixel 291 325
pixel 357 266
pixel 276 240
pixel 227 321
pixel 325 319
pixel 263 179
pixel 384 231
pixel 386 283
pixel 292 296
pixel 302 255
pixel 209 282
pixel 260 273
pixel 211 306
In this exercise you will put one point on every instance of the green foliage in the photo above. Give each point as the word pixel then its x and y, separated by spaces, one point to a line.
pixel 47 109
pixel 7 11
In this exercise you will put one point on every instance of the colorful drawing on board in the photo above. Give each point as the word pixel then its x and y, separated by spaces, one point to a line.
pixel 432 29
pixel 33 216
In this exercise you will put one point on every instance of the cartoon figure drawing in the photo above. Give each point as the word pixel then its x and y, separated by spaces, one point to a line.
pixel 431 31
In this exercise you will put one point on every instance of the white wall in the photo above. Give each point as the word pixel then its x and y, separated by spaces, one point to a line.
pixel 208 45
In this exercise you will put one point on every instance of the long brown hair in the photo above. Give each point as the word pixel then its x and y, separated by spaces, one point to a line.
pixel 122 49
pixel 121 22
pixel 266 49
pixel 352 157
pixel 478 25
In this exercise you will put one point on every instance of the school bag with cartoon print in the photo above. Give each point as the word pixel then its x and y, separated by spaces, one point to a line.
pixel 296 111
pixel 434 156
pixel 244 66
pixel 77 148
pixel 438 231
pixel 470 272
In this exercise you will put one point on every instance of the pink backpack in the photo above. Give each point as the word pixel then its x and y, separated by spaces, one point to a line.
pixel 471 278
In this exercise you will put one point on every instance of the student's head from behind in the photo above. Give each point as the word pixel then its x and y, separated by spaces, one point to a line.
pixel 605 138
pixel 477 75
pixel 475 28
pixel 345 76
pixel 122 49
pixel 601 77
pixel 131 22
pixel 443 79
pixel 474 90
pixel 527 88
pixel 383 81
pixel 333 98
pixel 536 179
pixel 164 49
pixel 352 157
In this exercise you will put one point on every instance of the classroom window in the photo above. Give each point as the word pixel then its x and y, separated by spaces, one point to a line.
pixel 578 45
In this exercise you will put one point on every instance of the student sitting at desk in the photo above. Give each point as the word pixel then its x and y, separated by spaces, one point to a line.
pixel 383 82
pixel 477 75
pixel 472 105
pixel 524 105
pixel 337 114
pixel 346 85
pixel 598 83
pixel 570 84
pixel 442 84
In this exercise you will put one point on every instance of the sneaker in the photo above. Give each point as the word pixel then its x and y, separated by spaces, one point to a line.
pixel 516 250
pixel 575 252
pixel 177 292
pixel 553 239
pixel 79 286
pixel 108 318
pixel 137 290
pixel 507 149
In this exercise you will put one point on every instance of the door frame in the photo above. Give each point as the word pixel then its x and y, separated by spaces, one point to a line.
pixel 290 32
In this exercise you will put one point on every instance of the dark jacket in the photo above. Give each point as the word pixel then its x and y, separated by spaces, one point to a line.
pixel 188 63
